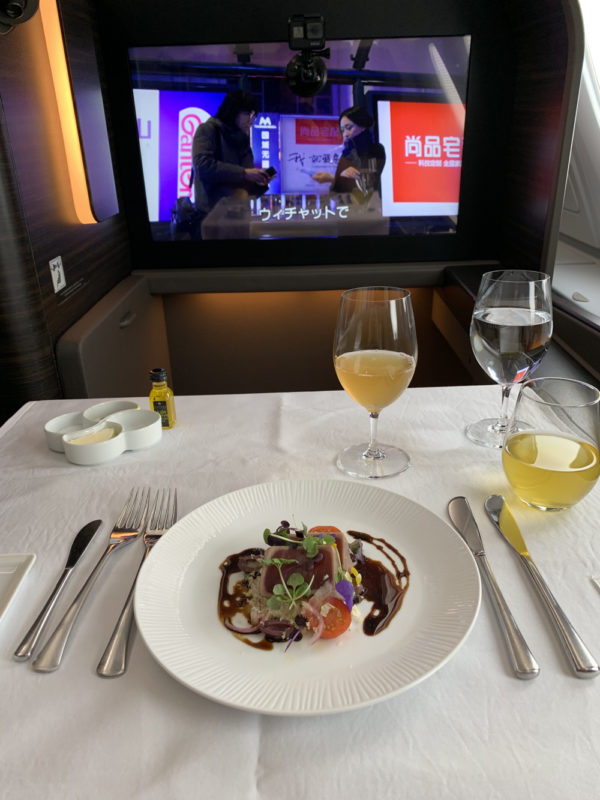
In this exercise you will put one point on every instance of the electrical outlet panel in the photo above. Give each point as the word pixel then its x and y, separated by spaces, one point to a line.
pixel 58 274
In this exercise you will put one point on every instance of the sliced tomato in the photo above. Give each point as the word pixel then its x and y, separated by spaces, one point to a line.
pixel 336 618
pixel 324 529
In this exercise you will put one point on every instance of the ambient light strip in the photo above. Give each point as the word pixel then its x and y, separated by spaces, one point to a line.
pixel 66 110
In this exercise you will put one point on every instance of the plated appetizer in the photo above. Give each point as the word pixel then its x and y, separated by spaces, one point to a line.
pixel 310 581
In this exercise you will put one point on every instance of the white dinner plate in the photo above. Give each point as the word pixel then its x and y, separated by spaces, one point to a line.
pixel 177 593
pixel 13 568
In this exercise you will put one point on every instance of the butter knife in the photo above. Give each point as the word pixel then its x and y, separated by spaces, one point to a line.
pixel 581 660
pixel 78 547
pixel 523 663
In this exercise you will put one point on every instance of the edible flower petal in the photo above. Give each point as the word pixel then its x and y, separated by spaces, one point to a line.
pixel 345 589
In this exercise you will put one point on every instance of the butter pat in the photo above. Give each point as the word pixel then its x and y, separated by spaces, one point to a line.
pixel 96 443
pixel 97 436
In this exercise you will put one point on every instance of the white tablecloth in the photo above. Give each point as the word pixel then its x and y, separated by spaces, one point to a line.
pixel 469 731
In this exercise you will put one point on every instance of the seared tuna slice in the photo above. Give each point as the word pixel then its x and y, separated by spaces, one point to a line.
pixel 344 551
pixel 323 567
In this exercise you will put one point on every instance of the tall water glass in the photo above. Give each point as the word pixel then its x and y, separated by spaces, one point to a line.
pixel 550 456
pixel 510 333
pixel 374 355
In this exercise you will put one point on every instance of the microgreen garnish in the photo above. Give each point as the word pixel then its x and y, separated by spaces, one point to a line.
pixel 286 533
pixel 278 562
pixel 311 544
pixel 290 590
pixel 298 537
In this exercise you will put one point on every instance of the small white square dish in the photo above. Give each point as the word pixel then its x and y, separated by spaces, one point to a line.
pixel 13 568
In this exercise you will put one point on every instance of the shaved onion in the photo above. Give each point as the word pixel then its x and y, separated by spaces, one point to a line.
pixel 252 629
pixel 320 621
pixel 277 629
pixel 228 624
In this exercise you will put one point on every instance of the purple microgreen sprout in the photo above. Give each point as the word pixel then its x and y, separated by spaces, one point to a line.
pixel 293 639
pixel 310 543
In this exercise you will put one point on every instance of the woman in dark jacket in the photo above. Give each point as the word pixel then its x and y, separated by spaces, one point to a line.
pixel 222 155
pixel 360 152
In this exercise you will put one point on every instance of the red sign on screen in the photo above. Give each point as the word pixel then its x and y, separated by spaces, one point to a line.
pixel 427 143
pixel 318 131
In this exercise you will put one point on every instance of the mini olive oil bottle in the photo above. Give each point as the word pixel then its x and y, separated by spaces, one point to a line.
pixel 162 399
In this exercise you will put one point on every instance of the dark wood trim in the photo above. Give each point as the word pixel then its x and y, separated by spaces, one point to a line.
pixel 37 220
pixel 26 357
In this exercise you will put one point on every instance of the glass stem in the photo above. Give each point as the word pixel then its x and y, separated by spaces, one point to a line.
pixel 373 450
pixel 502 423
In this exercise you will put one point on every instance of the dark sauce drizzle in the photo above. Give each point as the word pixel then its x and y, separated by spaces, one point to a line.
pixel 237 600
pixel 382 587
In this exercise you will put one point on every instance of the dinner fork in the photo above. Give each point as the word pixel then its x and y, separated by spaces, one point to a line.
pixel 163 515
pixel 129 524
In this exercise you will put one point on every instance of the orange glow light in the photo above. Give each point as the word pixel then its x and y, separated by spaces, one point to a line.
pixel 66 110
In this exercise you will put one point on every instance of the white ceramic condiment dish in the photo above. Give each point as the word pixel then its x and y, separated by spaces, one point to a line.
pixel 103 432
pixel 56 428
pixel 107 409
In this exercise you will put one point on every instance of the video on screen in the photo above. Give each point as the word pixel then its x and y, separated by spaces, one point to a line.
pixel 258 141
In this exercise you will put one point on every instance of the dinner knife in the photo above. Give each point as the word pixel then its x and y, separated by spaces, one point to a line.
pixel 523 663
pixel 580 658
pixel 78 547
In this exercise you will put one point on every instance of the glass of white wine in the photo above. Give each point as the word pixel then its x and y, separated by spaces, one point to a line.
pixel 551 455
pixel 510 333
pixel 374 355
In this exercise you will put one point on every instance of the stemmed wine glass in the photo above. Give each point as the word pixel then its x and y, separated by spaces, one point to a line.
pixel 510 333
pixel 374 355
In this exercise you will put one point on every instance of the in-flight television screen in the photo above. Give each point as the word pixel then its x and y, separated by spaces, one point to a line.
pixel 376 151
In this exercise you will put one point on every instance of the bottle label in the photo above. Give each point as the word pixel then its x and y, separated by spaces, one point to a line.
pixel 161 407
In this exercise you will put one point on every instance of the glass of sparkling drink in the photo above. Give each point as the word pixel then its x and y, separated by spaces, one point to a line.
pixel 551 456
pixel 374 355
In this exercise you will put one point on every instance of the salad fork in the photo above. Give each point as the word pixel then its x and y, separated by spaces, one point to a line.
pixel 129 525
pixel 163 515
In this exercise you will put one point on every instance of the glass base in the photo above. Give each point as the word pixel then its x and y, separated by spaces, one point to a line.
pixel 486 432
pixel 491 432
pixel 540 507
pixel 387 460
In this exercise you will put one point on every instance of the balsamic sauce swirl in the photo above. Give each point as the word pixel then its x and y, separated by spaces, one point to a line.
pixel 385 589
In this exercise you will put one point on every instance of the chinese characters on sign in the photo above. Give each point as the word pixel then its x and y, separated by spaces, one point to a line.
pixel 318 131
pixel 424 144
pixel 265 145
pixel 429 150
pixel 308 145
pixel 314 160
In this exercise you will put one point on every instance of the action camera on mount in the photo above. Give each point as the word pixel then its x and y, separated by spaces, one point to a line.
pixel 306 32
pixel 306 73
